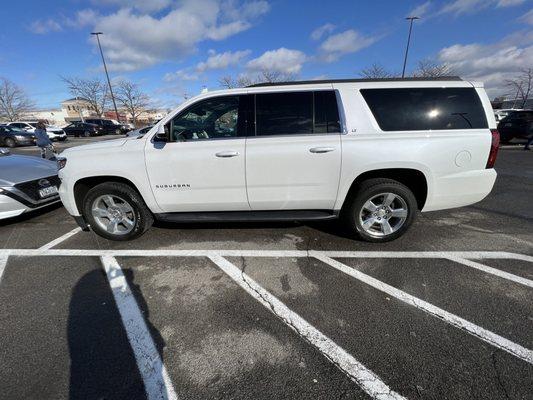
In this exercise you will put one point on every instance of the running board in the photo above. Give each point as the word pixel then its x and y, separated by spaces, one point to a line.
pixel 249 216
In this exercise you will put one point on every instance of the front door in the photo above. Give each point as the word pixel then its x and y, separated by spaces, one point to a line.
pixel 201 168
pixel 293 161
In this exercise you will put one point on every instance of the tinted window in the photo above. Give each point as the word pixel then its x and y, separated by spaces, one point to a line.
pixel 326 112
pixel 424 109
pixel 284 113
pixel 214 118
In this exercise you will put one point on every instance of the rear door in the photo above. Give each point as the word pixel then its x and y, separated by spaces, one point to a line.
pixel 293 157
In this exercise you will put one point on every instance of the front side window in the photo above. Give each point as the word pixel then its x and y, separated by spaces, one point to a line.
pixel 416 109
pixel 213 118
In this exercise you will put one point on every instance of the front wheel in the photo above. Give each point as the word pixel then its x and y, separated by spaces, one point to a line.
pixel 9 142
pixel 116 211
pixel 381 210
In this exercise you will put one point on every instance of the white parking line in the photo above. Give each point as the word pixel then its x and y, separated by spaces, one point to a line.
pixel 3 263
pixel 154 374
pixel 60 239
pixel 493 271
pixel 452 319
pixel 365 378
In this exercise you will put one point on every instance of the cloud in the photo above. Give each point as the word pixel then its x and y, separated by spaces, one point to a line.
pixel 134 41
pixel 421 10
pixel 491 63
pixel 141 5
pixel 322 30
pixel 41 27
pixel 222 60
pixel 181 75
pixel 527 18
pixel 350 41
pixel 82 18
pixel 282 60
pixel 459 7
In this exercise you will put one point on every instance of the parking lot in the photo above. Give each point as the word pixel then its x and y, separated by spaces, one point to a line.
pixel 274 311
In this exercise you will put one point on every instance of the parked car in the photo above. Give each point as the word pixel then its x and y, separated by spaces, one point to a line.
pixel 371 152
pixel 54 133
pixel 85 129
pixel 139 132
pixel 26 183
pixel 12 137
pixel 109 126
pixel 518 124
pixel 504 112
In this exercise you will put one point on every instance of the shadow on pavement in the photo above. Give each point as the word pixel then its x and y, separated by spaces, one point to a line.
pixel 103 364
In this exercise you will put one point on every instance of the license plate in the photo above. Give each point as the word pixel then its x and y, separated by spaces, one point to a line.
pixel 508 124
pixel 47 191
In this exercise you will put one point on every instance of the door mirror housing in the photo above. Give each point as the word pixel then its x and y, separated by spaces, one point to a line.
pixel 162 134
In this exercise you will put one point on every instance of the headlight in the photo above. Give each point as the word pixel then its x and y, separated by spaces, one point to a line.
pixel 61 162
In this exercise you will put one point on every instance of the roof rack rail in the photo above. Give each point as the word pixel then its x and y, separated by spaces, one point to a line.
pixel 439 78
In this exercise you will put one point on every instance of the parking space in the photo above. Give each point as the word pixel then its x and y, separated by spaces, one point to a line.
pixel 280 310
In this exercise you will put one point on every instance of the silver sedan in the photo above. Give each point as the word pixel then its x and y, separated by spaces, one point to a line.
pixel 26 183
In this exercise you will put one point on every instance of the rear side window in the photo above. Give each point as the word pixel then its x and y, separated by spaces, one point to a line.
pixel 416 109
pixel 293 113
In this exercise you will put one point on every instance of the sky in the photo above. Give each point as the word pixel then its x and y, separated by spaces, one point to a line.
pixel 173 49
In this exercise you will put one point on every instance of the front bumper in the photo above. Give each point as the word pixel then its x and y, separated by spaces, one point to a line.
pixel 13 205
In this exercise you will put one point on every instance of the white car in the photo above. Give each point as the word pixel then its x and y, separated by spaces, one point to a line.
pixel 372 152
pixel 26 183
pixel 54 133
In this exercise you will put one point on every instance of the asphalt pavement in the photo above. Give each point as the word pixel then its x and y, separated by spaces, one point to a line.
pixel 276 310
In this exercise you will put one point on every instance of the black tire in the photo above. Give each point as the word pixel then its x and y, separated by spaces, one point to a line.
pixel 368 190
pixel 143 217
pixel 10 142
pixel 86 134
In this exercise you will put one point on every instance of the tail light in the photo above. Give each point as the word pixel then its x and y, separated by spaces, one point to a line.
pixel 494 146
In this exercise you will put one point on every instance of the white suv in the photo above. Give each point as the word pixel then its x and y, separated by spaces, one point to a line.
pixel 371 152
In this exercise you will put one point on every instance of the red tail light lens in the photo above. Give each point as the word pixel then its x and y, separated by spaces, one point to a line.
pixel 495 145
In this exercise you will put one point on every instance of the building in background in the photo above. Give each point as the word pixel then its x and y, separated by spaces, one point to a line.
pixel 77 109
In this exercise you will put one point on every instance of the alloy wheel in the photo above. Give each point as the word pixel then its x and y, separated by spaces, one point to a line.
pixel 383 214
pixel 113 214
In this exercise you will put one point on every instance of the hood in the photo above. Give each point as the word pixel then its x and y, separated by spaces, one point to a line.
pixel 105 144
pixel 53 128
pixel 15 169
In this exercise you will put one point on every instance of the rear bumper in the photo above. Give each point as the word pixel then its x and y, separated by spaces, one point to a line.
pixel 461 189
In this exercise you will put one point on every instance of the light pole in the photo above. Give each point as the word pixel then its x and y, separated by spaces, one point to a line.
pixel 411 19
pixel 97 34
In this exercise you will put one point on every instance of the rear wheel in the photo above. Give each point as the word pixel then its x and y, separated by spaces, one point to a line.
pixel 116 211
pixel 10 142
pixel 381 210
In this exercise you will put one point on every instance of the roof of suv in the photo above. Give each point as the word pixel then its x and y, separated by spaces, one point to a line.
pixel 440 78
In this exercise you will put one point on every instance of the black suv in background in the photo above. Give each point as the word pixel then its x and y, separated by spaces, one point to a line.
pixel 12 137
pixel 518 124
pixel 79 128
pixel 108 126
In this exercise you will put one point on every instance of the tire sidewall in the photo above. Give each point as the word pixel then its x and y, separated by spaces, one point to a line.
pixel 10 143
pixel 363 196
pixel 130 196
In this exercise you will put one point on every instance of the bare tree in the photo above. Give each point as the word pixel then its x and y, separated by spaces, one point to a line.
pixel 521 87
pixel 375 71
pixel 265 76
pixel 14 103
pixel 429 68
pixel 132 99
pixel 94 91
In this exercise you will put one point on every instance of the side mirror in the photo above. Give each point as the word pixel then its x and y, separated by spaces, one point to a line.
pixel 162 134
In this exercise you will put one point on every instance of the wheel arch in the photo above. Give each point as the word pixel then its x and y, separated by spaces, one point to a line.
pixel 413 178
pixel 83 185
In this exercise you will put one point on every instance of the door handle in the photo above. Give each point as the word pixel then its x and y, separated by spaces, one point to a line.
pixel 321 149
pixel 227 154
